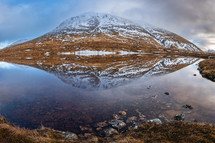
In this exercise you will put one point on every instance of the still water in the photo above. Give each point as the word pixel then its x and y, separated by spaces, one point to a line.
pixel 66 97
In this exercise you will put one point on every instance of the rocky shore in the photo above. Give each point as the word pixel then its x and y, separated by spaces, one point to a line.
pixel 120 129
pixel 207 69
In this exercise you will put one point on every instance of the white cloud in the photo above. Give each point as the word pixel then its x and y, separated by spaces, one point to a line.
pixel 4 44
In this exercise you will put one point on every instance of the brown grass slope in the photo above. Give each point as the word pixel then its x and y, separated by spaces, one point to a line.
pixel 208 69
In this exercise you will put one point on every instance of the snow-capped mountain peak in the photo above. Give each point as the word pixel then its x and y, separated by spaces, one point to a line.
pixel 118 29
pixel 93 20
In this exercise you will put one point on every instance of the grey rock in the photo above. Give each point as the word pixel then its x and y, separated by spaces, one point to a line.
pixel 69 135
pixel 118 124
pixel 156 120
pixel 179 117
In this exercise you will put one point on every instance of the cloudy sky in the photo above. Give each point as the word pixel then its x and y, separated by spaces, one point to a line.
pixel 192 19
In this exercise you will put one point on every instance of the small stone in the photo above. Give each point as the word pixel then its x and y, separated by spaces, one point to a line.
pixel 194 75
pixel 154 96
pixel 167 93
pixel 87 135
pixel 93 139
pixel 101 124
pixel 116 116
pixel 149 87
pixel 179 117
pixel 69 135
pixel 156 120
pixel 98 129
pixel 123 113
pixel 85 128
pixel 110 132
pixel 142 117
pixel 135 127
pixel 168 105
pixel 161 116
pixel 131 119
pixel 187 106
pixel 138 111
pixel 118 124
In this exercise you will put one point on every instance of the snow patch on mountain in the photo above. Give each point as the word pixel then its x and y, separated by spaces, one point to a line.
pixel 169 39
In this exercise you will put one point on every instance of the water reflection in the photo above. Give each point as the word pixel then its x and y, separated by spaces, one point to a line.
pixel 106 71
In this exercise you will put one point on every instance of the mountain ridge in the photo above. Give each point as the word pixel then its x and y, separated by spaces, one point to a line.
pixel 103 32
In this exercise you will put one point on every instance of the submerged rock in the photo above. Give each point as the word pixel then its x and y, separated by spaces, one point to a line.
pixel 156 120
pixel 118 124
pixel 187 106
pixel 116 116
pixel 123 113
pixel 101 124
pixel 149 87
pixel 167 93
pixel 142 117
pixel 131 119
pixel 179 117
pixel 110 132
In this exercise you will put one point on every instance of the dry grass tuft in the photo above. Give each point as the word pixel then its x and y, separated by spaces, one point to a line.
pixel 208 69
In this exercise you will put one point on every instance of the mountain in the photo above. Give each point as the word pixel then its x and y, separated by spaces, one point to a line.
pixel 101 32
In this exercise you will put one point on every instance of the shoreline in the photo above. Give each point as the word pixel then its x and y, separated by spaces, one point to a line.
pixel 174 131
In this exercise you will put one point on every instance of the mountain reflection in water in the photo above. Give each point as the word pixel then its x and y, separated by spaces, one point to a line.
pixel 106 71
